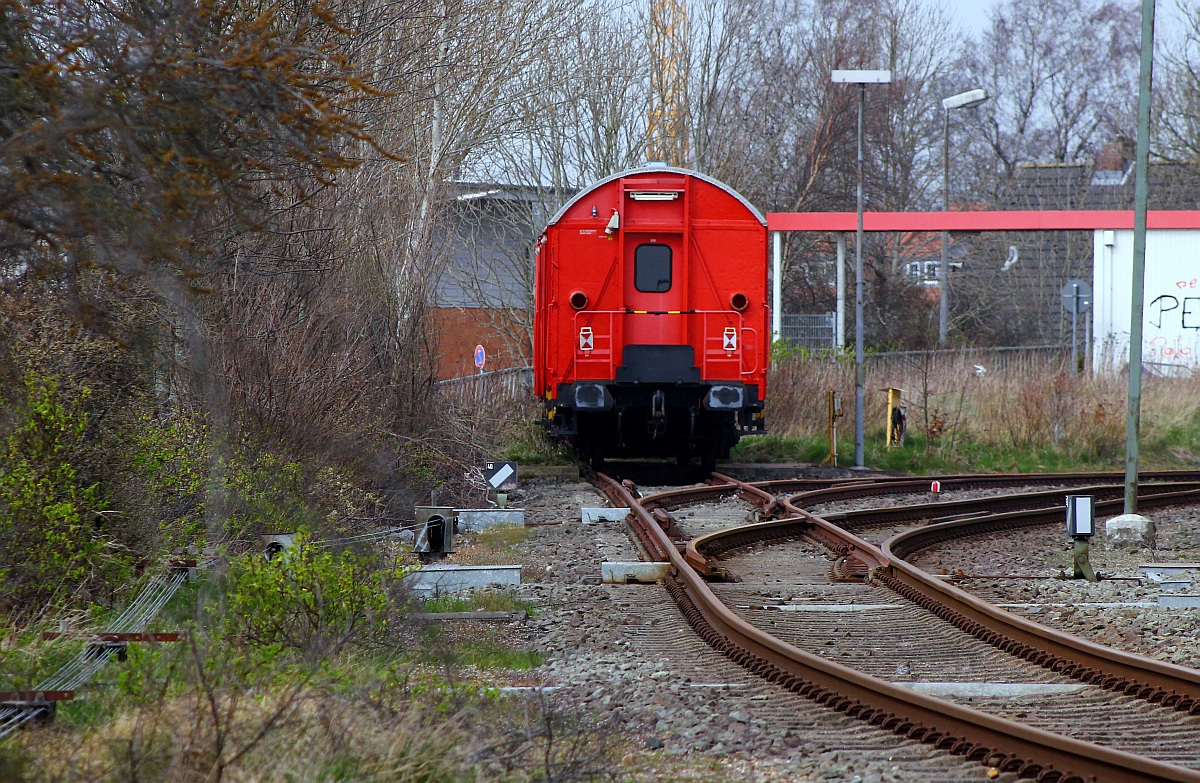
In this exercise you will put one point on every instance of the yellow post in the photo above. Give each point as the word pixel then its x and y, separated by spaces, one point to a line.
pixel 896 418
pixel 835 413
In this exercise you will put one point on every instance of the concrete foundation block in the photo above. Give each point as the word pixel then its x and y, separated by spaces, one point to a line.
pixel 616 573
pixel 1130 531
pixel 991 690
pixel 550 471
pixel 476 519
pixel 435 580
pixel 593 515
pixel 1179 601
pixel 1161 572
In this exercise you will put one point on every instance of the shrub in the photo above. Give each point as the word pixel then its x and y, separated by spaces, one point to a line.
pixel 309 600
pixel 49 541
pixel 159 479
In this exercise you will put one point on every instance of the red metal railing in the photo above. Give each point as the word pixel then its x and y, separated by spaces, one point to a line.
pixel 597 335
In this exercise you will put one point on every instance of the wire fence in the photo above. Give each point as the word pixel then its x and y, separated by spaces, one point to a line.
pixel 811 331
pixel 816 332
pixel 1016 358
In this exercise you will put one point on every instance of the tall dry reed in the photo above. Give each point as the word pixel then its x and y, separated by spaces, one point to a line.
pixel 1014 402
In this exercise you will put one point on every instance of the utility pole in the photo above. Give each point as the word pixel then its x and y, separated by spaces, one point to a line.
pixel 1140 199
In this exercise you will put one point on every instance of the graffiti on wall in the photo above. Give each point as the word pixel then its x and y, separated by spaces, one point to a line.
pixel 1171 313
pixel 1168 308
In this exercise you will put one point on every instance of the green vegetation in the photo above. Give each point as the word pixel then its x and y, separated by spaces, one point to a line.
pixel 487 650
pixel 781 448
pixel 501 536
pixel 48 516
pixel 307 601
pixel 528 444
pixel 917 457
pixel 309 649
pixel 486 601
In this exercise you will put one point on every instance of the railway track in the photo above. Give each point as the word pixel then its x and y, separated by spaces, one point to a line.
pixel 1159 689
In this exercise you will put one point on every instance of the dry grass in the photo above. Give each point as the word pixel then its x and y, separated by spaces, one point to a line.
pixel 393 732
pixel 1021 404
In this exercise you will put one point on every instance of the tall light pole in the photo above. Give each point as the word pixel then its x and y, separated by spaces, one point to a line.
pixel 964 100
pixel 862 79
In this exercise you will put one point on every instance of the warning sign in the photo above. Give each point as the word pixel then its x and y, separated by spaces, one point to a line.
pixel 501 475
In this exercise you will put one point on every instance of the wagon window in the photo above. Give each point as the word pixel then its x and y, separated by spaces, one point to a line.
pixel 652 268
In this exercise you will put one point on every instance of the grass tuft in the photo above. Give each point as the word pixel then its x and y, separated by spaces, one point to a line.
pixel 485 601
pixel 501 536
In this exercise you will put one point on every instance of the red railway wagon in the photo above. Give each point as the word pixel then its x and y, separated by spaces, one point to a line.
pixel 651 325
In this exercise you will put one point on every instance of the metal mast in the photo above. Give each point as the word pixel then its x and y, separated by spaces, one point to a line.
pixel 667 137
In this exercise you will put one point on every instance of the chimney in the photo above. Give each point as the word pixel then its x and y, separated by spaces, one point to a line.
pixel 1114 156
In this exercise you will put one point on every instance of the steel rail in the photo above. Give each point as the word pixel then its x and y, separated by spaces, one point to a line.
pixel 1001 743
pixel 858 520
pixel 1172 686
pixel 682 497
pixel 1147 678
pixel 855 489
pixel 813 491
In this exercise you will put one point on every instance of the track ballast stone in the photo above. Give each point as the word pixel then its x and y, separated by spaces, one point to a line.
pixel 627 652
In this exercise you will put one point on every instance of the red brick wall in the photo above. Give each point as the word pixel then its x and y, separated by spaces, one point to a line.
pixel 459 331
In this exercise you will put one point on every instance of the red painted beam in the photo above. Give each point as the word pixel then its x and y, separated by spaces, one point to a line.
pixel 33 697
pixel 1049 220
pixel 116 637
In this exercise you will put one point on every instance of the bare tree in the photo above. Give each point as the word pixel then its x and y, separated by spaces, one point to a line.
pixel 575 123
pixel 1178 102
pixel 137 136
pixel 767 119
pixel 1059 73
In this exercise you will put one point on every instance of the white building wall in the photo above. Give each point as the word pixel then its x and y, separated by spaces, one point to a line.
pixel 1171 305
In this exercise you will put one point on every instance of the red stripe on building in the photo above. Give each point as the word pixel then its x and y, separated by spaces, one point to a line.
pixel 1050 220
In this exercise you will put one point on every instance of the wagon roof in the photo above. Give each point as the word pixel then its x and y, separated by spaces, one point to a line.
pixel 651 168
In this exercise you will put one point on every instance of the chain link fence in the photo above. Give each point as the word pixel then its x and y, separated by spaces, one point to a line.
pixel 816 332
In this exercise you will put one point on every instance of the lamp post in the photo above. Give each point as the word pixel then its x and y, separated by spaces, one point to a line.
pixel 964 100
pixel 862 79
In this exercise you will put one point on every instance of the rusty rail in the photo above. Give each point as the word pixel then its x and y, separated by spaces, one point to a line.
pixel 995 741
pixel 1150 495
pixel 1155 681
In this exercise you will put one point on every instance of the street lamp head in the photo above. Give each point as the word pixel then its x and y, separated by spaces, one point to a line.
pixel 862 77
pixel 965 100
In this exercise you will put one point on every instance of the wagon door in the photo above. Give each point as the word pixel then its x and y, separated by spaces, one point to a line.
pixel 655 290
pixel 656 335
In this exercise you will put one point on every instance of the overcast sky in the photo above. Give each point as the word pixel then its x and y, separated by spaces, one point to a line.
pixel 972 13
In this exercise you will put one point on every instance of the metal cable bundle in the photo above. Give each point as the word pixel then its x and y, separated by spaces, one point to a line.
pixel 92 658
pixel 377 535
pixel 136 616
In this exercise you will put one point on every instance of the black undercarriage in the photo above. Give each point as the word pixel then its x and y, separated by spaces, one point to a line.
pixel 656 406
pixel 652 420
